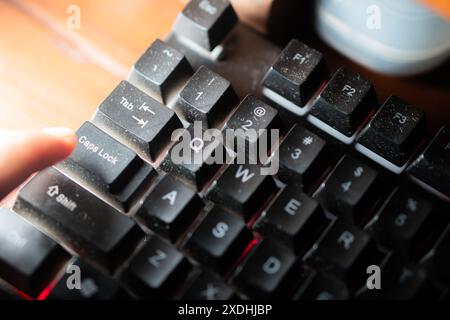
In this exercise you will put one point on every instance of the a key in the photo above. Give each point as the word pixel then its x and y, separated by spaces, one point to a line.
pixel 161 72
pixel 256 127
pixel 350 191
pixel 195 157
pixel 207 98
pixel 77 218
pixel 28 259
pixel 322 286
pixel 136 120
pixel 303 158
pixel 269 270
pixel 432 168
pixel 219 239
pixel 205 23
pixel 207 287
pixel 343 105
pixel 393 134
pixel 293 218
pixel 295 76
pixel 100 157
pixel 93 285
pixel 242 188
pixel 407 222
pixel 346 251
pixel 156 270
pixel 170 208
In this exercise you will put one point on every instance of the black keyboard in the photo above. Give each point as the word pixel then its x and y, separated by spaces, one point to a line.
pixel 345 188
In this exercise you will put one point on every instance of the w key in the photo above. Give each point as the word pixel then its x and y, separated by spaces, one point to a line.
pixel 242 188
pixel 137 120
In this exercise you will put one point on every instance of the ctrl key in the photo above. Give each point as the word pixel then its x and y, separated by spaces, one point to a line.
pixel 28 258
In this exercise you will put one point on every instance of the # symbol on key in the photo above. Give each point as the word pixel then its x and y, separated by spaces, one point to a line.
pixel 259 112
pixel 411 204
pixel 308 140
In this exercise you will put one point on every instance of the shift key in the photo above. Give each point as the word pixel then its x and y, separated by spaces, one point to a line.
pixel 76 218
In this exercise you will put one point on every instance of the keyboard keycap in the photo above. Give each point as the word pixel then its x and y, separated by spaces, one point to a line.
pixel 407 222
pixel 293 218
pixel 412 283
pixel 269 270
pixel 393 134
pixel 161 72
pixel 118 168
pixel 157 270
pixel 242 188
pixel 343 105
pixel 195 157
pixel 207 98
pixel 350 191
pixel 432 167
pixel 252 125
pixel 346 251
pixel 303 158
pixel 81 221
pixel 322 286
pixel 438 260
pixel 28 259
pixel 170 208
pixel 205 23
pixel 94 285
pixel 295 77
pixel 219 239
pixel 206 287
pixel 136 120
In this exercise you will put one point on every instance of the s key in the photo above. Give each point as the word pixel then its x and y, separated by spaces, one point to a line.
pixel 77 218
pixel 219 239
pixel 137 120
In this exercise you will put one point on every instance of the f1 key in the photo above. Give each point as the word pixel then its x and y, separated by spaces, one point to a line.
pixel 84 223
pixel 137 120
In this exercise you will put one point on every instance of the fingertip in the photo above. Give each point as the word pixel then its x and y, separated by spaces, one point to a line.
pixel 64 137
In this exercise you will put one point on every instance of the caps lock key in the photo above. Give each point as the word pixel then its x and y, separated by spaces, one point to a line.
pixel 117 167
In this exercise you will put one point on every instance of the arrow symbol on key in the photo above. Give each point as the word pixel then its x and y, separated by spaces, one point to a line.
pixel 140 122
pixel 146 109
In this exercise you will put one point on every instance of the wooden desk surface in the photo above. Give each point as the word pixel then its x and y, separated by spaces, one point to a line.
pixel 52 76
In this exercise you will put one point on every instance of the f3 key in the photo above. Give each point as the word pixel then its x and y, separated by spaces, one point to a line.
pixel 393 134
